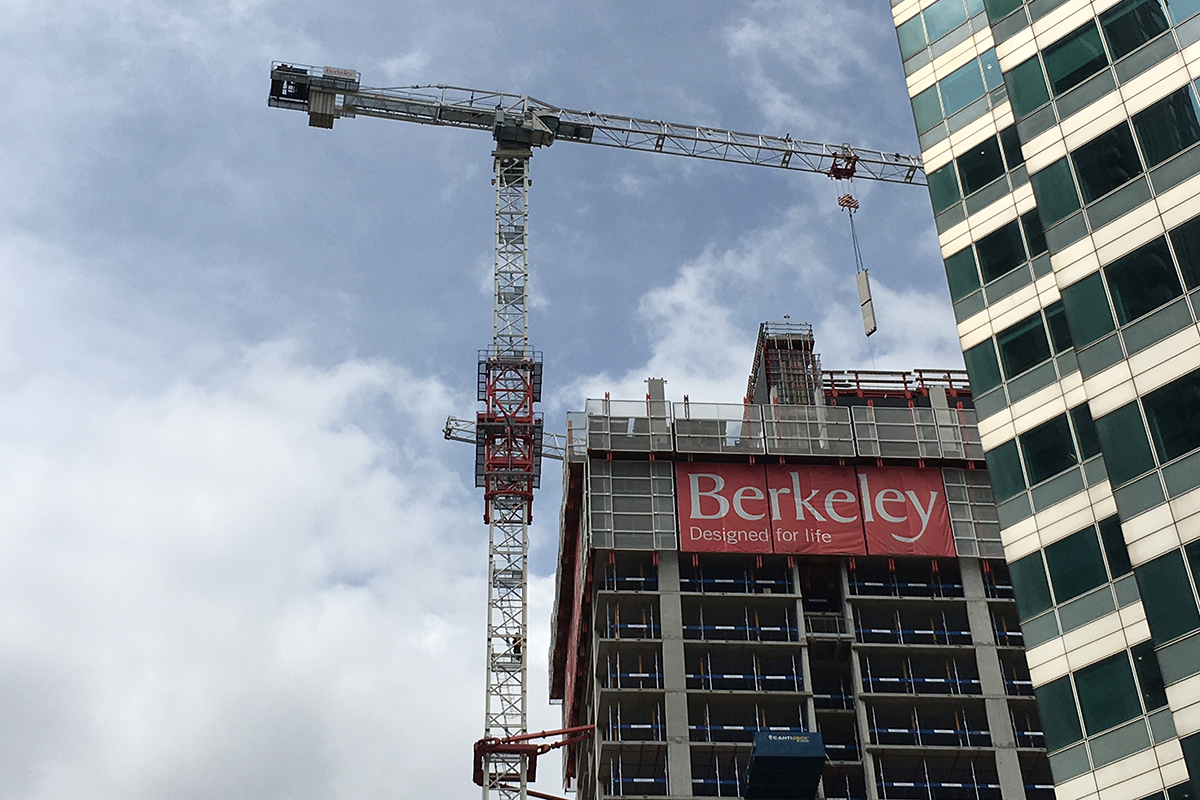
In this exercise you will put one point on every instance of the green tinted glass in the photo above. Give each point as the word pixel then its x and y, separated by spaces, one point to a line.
pixel 1130 24
pixel 1167 597
pixel 1106 162
pixel 1074 58
pixel 1023 346
pixel 1048 449
pixel 943 188
pixel 1076 565
pixel 1143 280
pixel 1107 693
pixel 1088 314
pixel 1085 431
pixel 1060 719
pixel 962 274
pixel 927 109
pixel 1004 468
pixel 1115 552
pixel 1054 188
pixel 1060 333
pixel 982 367
pixel 1001 251
pixel 1026 87
pixel 961 88
pixel 1173 415
pixel 912 37
pixel 1169 126
pixel 1145 664
pixel 1030 586
pixel 1123 440
pixel 1186 241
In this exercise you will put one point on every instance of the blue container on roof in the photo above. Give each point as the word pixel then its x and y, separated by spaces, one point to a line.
pixel 785 766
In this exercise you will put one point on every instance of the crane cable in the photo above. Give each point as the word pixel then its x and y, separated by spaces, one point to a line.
pixel 848 202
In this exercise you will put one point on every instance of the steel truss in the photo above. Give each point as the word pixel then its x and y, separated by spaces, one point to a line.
pixel 508 451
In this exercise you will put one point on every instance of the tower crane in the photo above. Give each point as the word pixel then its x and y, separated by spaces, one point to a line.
pixel 508 432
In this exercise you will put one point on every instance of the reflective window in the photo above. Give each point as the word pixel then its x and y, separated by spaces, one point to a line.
pixel 1004 468
pixel 1056 323
pixel 1048 449
pixel 1060 719
pixel 1186 241
pixel 1026 86
pixel 981 165
pixel 1074 58
pixel 1182 9
pixel 1145 663
pixel 1130 24
pixel 927 109
pixel 943 17
pixel 1171 412
pixel 1167 597
pixel 1030 586
pixel 961 88
pixel 1087 308
pixel 1142 281
pixel 982 367
pixel 1115 552
pixel 999 9
pixel 992 76
pixel 1001 251
pixel 1085 431
pixel 1168 127
pixel 912 37
pixel 943 188
pixel 1106 162
pixel 1011 142
pixel 1107 694
pixel 1023 346
pixel 1076 565
pixel 1035 237
pixel 1054 188
pixel 1126 449
pixel 962 274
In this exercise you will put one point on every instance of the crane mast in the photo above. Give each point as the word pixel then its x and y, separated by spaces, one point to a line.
pixel 508 432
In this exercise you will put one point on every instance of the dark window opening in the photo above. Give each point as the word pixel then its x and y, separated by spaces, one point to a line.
pixel 1048 449
pixel 1129 25
pixel 1023 346
pixel 1075 58
pixel 1001 251
pixel 1106 162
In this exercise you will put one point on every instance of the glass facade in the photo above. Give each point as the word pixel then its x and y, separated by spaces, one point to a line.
pixel 1071 245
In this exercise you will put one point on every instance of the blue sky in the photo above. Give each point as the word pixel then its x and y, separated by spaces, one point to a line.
pixel 241 562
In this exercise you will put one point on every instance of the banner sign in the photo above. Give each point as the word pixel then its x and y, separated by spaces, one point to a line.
pixel 812 510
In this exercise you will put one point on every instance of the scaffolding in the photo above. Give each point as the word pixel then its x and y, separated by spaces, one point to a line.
pixel 787 368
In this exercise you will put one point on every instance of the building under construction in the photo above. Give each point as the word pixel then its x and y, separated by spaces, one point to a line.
pixel 824 556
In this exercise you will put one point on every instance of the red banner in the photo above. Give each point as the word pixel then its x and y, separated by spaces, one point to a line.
pixel 723 508
pixel 742 508
pixel 815 510
pixel 907 513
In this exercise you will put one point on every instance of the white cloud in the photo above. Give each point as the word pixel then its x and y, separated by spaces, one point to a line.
pixel 701 328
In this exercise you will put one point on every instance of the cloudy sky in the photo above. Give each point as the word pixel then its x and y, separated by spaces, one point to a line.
pixel 238 560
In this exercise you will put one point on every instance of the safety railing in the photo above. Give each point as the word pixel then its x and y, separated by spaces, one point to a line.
pixel 833 431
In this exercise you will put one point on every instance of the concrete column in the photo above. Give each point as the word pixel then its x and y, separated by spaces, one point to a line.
pixel 675 706
pixel 860 705
pixel 991 680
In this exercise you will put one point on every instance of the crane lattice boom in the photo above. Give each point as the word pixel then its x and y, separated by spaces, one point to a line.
pixel 543 124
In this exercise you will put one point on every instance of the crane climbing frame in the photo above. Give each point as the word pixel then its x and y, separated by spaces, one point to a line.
pixel 508 432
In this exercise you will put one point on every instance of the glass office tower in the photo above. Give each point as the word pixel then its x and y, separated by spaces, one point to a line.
pixel 1062 143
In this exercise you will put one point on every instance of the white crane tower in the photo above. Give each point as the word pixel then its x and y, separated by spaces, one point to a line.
pixel 508 431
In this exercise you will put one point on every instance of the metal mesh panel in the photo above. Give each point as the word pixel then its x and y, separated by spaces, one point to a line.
pixel 631 505
pixel 973 513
